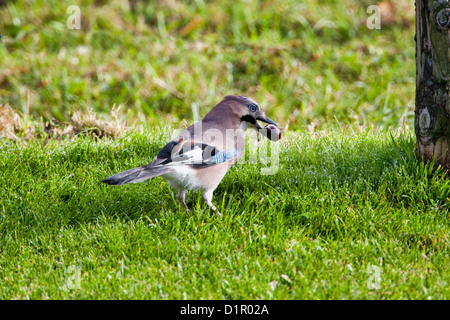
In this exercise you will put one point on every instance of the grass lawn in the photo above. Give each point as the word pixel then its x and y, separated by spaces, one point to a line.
pixel 307 62
pixel 348 215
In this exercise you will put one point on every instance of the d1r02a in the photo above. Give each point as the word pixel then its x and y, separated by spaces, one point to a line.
pixel 240 309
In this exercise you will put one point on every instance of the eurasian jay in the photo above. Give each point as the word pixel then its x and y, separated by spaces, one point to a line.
pixel 201 155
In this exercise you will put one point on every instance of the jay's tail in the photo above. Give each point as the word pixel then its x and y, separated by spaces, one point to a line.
pixel 136 175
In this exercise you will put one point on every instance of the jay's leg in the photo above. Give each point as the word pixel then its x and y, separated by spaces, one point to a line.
pixel 207 196
pixel 181 198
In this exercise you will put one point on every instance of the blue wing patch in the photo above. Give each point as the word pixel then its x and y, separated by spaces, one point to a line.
pixel 225 155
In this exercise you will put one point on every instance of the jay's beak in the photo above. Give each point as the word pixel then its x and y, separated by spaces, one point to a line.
pixel 271 131
pixel 266 120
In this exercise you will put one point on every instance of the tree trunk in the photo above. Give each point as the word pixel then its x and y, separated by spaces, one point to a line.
pixel 432 115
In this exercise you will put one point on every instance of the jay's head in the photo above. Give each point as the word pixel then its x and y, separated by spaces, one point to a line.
pixel 249 113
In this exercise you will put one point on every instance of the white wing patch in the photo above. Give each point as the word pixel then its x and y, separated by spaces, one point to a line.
pixel 194 156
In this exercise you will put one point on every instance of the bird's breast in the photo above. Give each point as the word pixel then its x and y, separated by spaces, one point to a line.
pixel 195 178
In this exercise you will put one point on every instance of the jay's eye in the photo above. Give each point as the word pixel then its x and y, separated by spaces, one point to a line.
pixel 252 107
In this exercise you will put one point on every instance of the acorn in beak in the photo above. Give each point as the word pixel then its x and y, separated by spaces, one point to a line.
pixel 271 131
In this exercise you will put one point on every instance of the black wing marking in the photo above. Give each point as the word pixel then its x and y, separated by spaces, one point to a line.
pixel 166 151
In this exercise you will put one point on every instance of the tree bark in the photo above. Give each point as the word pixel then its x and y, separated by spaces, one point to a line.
pixel 432 114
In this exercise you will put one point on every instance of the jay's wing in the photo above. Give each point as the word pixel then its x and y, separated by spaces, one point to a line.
pixel 194 153
pixel 174 153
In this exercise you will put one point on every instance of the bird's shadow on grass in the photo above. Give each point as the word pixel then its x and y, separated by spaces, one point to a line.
pixel 359 167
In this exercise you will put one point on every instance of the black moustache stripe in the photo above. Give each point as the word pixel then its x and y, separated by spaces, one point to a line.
pixel 249 118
